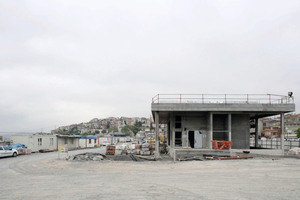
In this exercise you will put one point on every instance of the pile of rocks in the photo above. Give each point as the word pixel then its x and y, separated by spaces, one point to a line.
pixel 88 157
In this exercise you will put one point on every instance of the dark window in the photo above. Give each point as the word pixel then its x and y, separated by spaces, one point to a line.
pixel 178 125
pixel 90 141
pixel 177 121
pixel 178 140
pixel 178 118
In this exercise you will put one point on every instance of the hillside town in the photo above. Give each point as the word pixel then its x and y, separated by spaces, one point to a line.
pixel 126 125
pixel 269 127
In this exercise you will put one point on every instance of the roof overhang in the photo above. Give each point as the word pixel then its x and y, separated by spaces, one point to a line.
pixel 254 110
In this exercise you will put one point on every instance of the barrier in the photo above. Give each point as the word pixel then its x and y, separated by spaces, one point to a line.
pixel 221 144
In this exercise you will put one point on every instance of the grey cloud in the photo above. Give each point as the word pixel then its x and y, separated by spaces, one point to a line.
pixel 64 62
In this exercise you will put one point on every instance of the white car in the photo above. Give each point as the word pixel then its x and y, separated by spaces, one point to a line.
pixel 106 143
pixel 5 152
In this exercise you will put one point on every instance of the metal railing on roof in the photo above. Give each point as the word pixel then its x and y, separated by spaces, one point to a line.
pixel 223 98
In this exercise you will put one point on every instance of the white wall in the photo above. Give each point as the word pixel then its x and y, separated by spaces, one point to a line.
pixel 86 143
pixel 119 139
pixel 105 140
pixel 31 141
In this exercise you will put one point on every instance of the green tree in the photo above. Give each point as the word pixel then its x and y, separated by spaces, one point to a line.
pixel 75 131
pixel 97 131
pixel 138 124
pixel 108 125
pixel 63 132
pixel 128 129
pixel 114 129
pixel 298 133
pixel 103 131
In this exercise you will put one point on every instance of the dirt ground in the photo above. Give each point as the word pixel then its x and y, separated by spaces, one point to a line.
pixel 43 176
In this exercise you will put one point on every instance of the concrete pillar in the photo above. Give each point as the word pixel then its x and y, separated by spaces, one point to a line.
pixel 157 154
pixel 210 130
pixel 256 132
pixel 172 128
pixel 282 130
pixel 229 127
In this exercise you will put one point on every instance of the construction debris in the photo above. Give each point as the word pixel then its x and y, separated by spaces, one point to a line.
pixel 234 157
pixel 294 152
pixel 163 148
pixel 22 151
pixel 191 158
pixel 89 157
pixel 149 158
pixel 45 150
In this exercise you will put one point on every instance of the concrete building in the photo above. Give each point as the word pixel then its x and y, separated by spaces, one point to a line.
pixel 193 121
pixel 88 141
pixel 36 142
pixel 106 140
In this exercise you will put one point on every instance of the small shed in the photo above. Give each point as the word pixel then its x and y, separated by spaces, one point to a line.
pixel 71 141
pixel 36 142
pixel 88 141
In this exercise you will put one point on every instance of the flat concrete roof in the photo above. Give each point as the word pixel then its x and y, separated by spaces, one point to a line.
pixel 279 108
pixel 255 110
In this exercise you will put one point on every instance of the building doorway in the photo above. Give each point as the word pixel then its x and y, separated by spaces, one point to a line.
pixel 192 138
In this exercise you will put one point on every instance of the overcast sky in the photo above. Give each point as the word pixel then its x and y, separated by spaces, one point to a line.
pixel 65 62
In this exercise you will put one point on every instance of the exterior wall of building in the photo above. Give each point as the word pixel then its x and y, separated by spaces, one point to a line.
pixel 71 142
pixel 193 122
pixel 189 122
pixel 87 143
pixel 105 140
pixel 36 142
pixel 240 125
pixel 119 139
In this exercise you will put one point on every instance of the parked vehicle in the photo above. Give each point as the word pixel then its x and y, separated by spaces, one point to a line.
pixel 105 143
pixel 6 151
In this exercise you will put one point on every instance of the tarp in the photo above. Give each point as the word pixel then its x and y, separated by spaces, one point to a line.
pixel 89 137
pixel 15 146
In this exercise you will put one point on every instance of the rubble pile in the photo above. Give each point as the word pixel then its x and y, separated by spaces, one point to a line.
pixel 88 157
pixel 163 148
pixel 294 152
pixel 136 149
